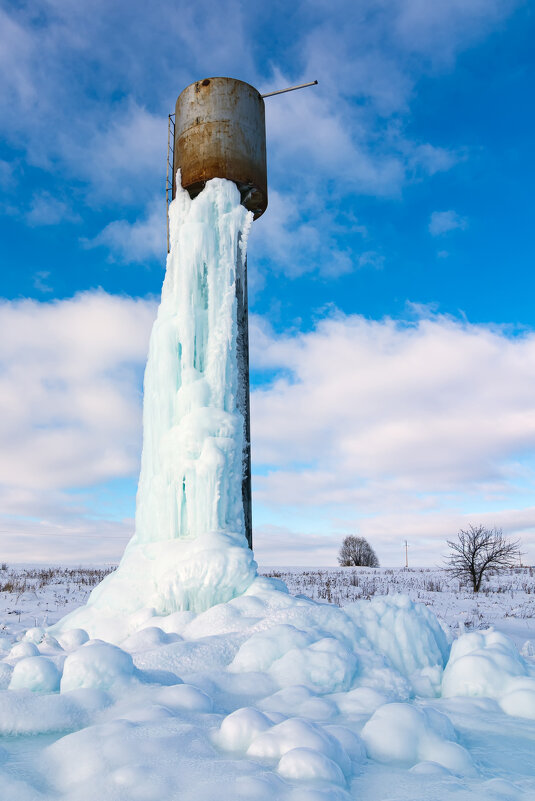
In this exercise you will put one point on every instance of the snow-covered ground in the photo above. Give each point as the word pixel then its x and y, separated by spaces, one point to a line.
pixel 272 695
pixel 39 596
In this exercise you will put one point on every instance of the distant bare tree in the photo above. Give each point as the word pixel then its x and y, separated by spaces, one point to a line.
pixel 478 550
pixel 357 552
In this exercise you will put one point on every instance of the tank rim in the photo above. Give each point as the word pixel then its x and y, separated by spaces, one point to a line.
pixel 219 78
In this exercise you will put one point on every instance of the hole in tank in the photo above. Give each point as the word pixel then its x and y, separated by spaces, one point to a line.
pixel 205 82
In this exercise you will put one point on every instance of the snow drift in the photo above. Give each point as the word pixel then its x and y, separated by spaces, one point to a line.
pixel 265 696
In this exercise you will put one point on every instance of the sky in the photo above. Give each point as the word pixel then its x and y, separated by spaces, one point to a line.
pixel 391 278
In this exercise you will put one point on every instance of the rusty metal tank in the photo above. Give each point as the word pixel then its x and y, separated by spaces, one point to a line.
pixel 220 132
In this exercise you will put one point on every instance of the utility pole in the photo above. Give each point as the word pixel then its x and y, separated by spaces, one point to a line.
pixel 406 553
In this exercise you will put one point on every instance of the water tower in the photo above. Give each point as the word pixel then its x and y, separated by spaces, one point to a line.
pixel 219 131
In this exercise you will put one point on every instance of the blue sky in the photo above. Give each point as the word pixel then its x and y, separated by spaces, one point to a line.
pixel 391 280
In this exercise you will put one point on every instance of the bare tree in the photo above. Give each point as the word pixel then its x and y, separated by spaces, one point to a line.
pixel 478 550
pixel 357 552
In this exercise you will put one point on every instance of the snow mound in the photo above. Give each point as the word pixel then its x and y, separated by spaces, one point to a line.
pixel 240 728
pixel 35 673
pixel 23 649
pixel 186 697
pixel 296 733
pixel 325 666
pixel 360 701
pixel 488 664
pixel 402 733
pixel 71 639
pixel 96 665
pixel 409 635
pixel 310 765
pixel 263 649
pixel 35 635
pixel 148 638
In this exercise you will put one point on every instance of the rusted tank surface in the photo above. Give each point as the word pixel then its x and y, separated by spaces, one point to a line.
pixel 220 132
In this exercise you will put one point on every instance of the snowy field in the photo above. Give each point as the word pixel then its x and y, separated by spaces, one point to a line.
pixel 39 596
pixel 401 694
pixel 505 601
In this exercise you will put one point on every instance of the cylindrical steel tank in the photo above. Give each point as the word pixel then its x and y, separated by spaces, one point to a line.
pixel 220 132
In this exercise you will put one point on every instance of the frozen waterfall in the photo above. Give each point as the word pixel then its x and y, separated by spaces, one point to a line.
pixel 193 431
pixel 189 550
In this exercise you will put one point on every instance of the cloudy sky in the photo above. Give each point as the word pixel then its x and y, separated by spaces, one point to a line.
pixel 391 279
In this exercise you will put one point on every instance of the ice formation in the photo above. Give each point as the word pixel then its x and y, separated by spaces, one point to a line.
pixel 189 549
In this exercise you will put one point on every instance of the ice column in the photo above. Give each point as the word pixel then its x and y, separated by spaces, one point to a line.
pixel 192 463
pixel 189 550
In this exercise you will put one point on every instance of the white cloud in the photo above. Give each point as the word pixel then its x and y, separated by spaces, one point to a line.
pixel 138 241
pixel 427 534
pixel 70 394
pixel 121 155
pixel 68 541
pixel 6 174
pixel 349 135
pixel 435 402
pixel 442 222
pixel 295 246
pixel 70 417
pixel 48 210
pixel 352 128
pixel 314 134
pixel 40 279
pixel 17 49
pixel 280 545
pixel 370 258
pixel 380 420
pixel 429 160
pixel 439 30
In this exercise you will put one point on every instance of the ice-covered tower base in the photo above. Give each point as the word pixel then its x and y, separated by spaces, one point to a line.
pixel 189 550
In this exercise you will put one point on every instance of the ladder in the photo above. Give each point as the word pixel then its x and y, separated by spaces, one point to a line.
pixel 170 168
